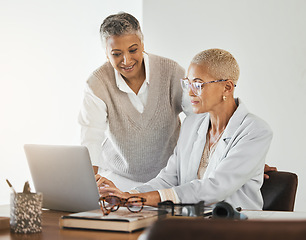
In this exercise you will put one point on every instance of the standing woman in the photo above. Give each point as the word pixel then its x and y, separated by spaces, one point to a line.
pixel 129 116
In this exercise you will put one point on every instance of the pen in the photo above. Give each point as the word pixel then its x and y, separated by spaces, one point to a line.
pixel 11 186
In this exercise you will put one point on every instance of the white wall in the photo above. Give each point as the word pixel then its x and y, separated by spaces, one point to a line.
pixel 49 48
pixel 47 51
pixel 268 38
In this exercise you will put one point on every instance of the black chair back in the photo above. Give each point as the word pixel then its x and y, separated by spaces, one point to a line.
pixel 279 191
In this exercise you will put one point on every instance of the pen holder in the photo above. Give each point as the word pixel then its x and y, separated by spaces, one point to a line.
pixel 26 212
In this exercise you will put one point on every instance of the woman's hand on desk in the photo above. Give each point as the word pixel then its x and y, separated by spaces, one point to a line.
pixel 107 187
pixel 102 181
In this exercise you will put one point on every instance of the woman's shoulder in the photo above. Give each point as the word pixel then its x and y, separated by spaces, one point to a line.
pixel 257 123
pixel 252 122
pixel 155 59
pixel 159 58
pixel 106 68
pixel 103 74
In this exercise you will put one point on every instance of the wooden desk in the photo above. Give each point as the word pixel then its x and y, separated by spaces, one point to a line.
pixel 225 229
pixel 51 230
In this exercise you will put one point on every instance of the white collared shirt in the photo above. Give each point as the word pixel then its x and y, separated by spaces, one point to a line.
pixel 138 100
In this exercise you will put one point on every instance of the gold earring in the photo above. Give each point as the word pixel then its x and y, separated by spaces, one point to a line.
pixel 224 98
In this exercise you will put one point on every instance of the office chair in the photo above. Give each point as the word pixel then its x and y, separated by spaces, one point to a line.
pixel 279 191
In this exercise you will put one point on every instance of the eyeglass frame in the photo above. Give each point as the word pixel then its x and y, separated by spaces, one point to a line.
pixel 195 90
pixel 122 203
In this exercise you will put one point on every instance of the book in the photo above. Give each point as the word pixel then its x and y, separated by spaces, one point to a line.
pixel 121 220
pixel 4 223
pixel 274 215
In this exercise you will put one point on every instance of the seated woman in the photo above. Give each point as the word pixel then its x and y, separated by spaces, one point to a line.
pixel 220 154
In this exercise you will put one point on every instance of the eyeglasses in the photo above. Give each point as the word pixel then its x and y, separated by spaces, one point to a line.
pixel 196 87
pixel 112 203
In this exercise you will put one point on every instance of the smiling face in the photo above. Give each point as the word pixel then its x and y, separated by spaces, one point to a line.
pixel 125 54
pixel 212 94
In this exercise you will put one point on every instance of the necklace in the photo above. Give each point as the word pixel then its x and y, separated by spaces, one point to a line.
pixel 216 141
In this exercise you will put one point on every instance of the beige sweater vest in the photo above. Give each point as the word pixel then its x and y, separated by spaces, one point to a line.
pixel 139 144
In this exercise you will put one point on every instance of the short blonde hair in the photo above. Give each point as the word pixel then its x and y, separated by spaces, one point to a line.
pixel 220 63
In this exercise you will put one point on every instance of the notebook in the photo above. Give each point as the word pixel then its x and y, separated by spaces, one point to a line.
pixel 120 220
pixel 64 175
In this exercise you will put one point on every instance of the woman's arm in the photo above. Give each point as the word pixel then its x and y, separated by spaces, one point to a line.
pixel 93 121
pixel 166 179
pixel 107 187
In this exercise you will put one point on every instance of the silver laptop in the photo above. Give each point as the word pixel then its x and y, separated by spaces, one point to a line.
pixel 64 175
